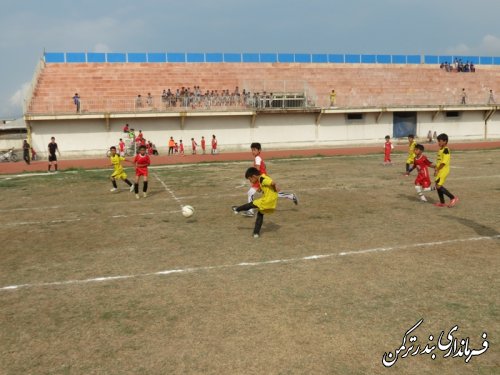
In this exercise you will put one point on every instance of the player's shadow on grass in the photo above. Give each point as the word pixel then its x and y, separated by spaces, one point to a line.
pixel 480 229
pixel 414 198
pixel 268 226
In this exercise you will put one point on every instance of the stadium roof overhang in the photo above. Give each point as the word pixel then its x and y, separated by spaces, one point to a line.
pixel 488 110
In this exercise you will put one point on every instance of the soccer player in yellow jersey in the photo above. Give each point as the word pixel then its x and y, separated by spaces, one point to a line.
pixel 442 169
pixel 118 172
pixel 411 153
pixel 266 203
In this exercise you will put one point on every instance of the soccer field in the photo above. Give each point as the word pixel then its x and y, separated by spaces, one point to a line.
pixel 93 282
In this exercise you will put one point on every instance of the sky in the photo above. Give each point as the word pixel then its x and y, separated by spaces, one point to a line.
pixel 430 27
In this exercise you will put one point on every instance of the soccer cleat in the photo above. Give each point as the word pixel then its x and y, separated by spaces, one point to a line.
pixel 113 190
pixel 247 213
pixel 132 188
pixel 234 208
pixel 137 196
pixel 256 235
pixel 145 195
pixel 453 202
pixel 423 198
pixel 439 204
pixel 295 200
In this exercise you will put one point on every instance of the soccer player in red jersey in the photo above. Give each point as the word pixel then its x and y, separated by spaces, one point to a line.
pixel 203 145
pixel 388 147
pixel 121 147
pixel 421 164
pixel 214 144
pixel 141 161
pixel 193 146
pixel 181 148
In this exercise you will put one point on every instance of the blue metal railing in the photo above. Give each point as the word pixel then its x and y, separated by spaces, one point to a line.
pixel 219 57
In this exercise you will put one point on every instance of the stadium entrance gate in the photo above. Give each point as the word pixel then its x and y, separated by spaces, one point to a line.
pixel 404 123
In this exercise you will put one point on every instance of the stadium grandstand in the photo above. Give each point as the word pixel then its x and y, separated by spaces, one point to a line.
pixel 244 96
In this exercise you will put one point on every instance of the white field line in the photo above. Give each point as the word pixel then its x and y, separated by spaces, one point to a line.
pixel 243 264
pixel 29 208
pixel 59 221
pixel 170 191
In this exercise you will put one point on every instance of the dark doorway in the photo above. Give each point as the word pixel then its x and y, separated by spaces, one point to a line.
pixel 404 123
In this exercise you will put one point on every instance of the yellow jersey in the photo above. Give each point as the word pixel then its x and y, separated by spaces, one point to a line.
pixel 267 202
pixel 411 153
pixel 117 163
pixel 444 157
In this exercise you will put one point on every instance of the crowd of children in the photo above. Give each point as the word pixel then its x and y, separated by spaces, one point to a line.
pixel 175 148
pixel 132 143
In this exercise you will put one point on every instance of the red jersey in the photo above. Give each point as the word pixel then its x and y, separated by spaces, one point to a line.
pixel 203 144
pixel 141 164
pixel 181 147
pixel 214 144
pixel 121 146
pixel 261 166
pixel 194 144
pixel 387 151
pixel 421 163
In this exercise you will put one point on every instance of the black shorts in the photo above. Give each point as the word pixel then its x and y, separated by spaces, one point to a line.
pixel 52 157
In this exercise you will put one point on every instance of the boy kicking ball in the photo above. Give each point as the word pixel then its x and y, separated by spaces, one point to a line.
pixel 265 204
pixel 118 172
pixel 259 164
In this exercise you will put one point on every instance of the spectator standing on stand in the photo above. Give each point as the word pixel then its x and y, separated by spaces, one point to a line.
pixel 76 100
pixel 491 99
pixel 333 98
pixel 138 101
pixel 149 100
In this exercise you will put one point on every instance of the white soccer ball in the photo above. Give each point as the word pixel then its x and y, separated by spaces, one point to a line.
pixel 187 211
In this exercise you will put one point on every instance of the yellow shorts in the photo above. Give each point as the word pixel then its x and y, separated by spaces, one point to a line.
pixel 440 178
pixel 120 175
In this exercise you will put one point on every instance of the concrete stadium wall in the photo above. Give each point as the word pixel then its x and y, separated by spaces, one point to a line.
pixel 77 138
